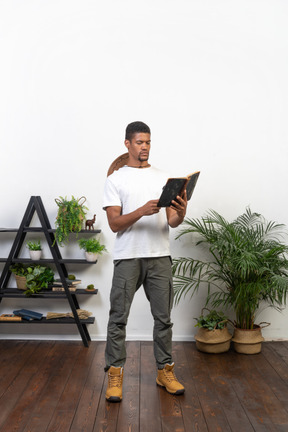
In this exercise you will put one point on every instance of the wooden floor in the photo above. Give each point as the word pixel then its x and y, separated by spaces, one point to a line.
pixel 60 387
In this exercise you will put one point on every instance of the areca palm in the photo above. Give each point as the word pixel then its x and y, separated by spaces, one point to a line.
pixel 247 267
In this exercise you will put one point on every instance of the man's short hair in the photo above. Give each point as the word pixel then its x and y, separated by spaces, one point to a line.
pixel 136 127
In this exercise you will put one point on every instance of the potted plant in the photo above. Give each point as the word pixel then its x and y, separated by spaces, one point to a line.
pixel 35 249
pixel 92 248
pixel 70 217
pixel 20 273
pixel 246 269
pixel 213 335
pixel 90 288
pixel 36 277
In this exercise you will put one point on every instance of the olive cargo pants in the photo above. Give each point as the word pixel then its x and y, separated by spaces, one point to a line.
pixel 156 277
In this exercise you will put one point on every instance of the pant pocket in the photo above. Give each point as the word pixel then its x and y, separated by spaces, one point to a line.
pixel 117 297
pixel 171 299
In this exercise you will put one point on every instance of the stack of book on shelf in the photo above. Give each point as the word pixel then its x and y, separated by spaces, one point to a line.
pixel 72 284
pixel 28 315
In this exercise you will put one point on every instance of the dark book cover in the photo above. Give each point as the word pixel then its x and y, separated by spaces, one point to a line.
pixel 28 314
pixel 176 186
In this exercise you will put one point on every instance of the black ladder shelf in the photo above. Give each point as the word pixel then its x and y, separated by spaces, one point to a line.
pixel 35 205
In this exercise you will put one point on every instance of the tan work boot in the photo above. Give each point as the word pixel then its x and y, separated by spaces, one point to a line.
pixel 166 378
pixel 115 382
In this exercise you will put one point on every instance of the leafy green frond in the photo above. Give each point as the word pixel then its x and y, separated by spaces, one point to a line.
pixel 247 264
pixel 70 216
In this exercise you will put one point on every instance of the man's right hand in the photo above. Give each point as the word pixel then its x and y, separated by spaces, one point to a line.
pixel 119 222
pixel 150 208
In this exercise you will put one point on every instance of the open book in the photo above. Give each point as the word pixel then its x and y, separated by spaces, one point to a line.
pixel 176 186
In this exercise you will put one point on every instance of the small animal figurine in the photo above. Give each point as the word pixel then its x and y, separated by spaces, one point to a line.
pixel 90 223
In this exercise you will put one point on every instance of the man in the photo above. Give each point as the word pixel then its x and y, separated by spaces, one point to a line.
pixel 141 257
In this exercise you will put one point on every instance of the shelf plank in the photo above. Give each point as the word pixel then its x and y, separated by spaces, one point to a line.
pixel 51 260
pixel 83 231
pixel 50 230
pixel 47 294
pixel 43 320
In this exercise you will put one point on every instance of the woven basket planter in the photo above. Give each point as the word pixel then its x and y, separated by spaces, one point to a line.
pixel 213 341
pixel 21 282
pixel 248 341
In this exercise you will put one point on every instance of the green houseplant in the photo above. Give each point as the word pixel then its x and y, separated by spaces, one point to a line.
pixel 213 335
pixel 92 248
pixel 37 277
pixel 70 217
pixel 20 273
pixel 212 321
pixel 35 249
pixel 247 266
pixel 34 245
pixel 90 288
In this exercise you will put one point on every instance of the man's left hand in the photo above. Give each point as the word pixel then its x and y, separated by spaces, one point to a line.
pixel 180 207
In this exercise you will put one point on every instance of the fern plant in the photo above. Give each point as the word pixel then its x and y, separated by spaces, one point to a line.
pixel 247 266
pixel 70 216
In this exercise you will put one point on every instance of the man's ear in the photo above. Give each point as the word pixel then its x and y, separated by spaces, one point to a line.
pixel 127 143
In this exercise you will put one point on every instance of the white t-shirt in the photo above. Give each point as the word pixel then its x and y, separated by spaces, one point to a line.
pixel 130 188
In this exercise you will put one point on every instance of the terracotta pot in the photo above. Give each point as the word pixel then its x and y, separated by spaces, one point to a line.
pixel 213 341
pixel 248 341
pixel 21 282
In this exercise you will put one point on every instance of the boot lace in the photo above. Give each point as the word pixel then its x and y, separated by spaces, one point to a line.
pixel 114 380
pixel 170 375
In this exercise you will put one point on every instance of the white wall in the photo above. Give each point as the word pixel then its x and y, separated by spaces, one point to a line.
pixel 208 76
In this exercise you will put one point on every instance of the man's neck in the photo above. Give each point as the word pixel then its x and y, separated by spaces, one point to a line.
pixel 138 164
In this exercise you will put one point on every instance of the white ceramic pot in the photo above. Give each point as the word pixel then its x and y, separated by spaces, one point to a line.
pixel 91 257
pixel 35 254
